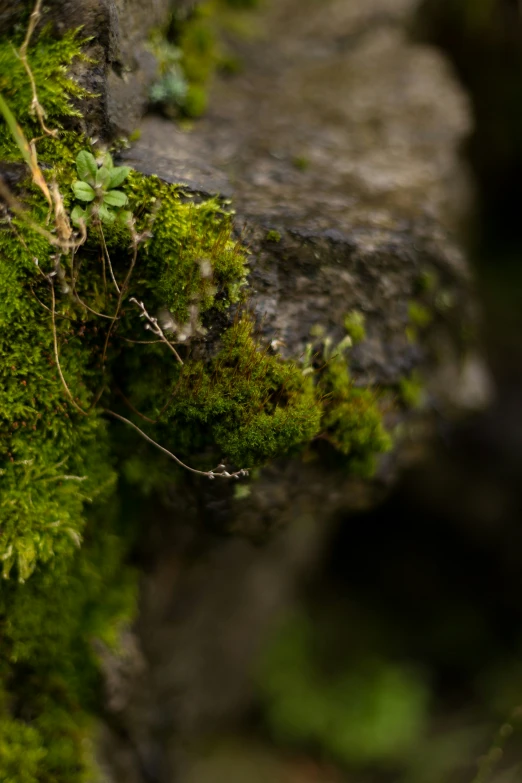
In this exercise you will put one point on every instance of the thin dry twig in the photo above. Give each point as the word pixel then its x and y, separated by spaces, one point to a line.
pixel 56 355
pixel 211 474
pixel 107 256
pixel 155 328
pixel 136 238
pixel 36 106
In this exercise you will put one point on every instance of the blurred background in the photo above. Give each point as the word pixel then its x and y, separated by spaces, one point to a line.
pixel 399 657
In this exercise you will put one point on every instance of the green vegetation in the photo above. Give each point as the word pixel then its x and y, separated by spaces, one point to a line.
pixel 301 162
pixel 188 55
pixel 273 236
pixel 250 403
pixel 352 420
pixel 370 713
pixel 73 306
pixel 354 325
pixel 411 390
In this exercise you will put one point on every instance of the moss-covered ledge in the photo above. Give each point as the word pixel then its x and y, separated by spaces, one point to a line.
pixel 203 382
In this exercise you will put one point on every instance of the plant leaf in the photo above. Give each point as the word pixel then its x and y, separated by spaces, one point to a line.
pixel 107 161
pixel 105 214
pixel 118 174
pixel 103 177
pixel 83 191
pixel 125 216
pixel 78 214
pixel 86 167
pixel 115 198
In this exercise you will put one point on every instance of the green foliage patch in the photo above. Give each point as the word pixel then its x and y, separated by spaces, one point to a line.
pixel 69 338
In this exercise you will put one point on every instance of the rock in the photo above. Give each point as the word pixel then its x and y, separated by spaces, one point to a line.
pixel 339 143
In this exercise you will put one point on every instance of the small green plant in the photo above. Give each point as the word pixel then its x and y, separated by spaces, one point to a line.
pixel 97 186
pixel 355 326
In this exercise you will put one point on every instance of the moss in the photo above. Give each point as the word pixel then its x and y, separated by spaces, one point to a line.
pixel 48 666
pixel 273 236
pixel 189 54
pixel 354 325
pixel 411 390
pixel 251 404
pixel 57 92
pixel 419 315
pixel 352 420
pixel 186 237
pixel 301 162
pixel 61 545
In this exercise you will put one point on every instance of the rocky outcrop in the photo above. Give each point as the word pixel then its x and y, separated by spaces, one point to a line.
pixel 338 144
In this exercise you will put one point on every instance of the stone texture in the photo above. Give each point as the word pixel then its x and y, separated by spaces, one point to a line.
pixel 341 135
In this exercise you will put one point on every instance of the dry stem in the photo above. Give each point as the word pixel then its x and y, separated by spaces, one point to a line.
pixel 36 106
pixel 155 327
pixel 211 474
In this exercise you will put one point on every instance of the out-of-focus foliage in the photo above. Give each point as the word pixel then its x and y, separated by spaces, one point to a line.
pixel 370 712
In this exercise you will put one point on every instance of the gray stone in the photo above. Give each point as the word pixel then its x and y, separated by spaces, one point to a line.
pixel 342 136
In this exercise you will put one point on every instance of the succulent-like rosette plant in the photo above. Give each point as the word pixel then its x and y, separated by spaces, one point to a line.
pixel 97 187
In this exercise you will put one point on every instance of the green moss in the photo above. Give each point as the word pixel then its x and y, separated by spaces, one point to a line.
pixel 192 255
pixel 411 390
pixel 301 162
pixel 57 92
pixel 50 671
pixel 419 315
pixel 273 236
pixel 251 404
pixel 61 546
pixel 354 325
pixel 352 420
pixel 190 53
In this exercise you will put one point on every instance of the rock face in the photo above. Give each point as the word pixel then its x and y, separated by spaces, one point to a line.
pixel 339 144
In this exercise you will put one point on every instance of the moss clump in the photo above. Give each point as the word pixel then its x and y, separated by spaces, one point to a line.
pixel 191 255
pixel 273 236
pixel 352 421
pixel 48 669
pixel 419 315
pixel 251 404
pixel 189 54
